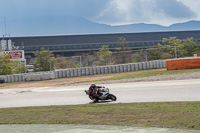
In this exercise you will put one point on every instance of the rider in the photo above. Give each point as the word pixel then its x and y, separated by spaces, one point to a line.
pixel 94 90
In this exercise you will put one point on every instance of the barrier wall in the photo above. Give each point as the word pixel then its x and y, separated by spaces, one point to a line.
pixel 183 64
pixel 38 77
pixel 74 72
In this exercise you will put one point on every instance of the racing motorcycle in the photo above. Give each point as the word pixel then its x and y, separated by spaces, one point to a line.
pixel 102 94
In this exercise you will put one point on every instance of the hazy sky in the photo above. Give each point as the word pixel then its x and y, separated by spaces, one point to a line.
pixel 111 12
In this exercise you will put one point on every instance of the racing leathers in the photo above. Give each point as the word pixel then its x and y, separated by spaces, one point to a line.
pixel 94 91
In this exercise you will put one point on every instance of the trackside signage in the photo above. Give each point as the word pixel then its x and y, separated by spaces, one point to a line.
pixel 19 54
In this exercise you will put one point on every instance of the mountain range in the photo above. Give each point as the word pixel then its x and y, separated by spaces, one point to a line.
pixel 57 25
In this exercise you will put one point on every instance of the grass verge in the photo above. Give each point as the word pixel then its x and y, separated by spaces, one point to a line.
pixel 146 73
pixel 93 78
pixel 139 74
pixel 183 115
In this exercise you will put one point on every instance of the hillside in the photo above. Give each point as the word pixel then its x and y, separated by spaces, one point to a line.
pixel 51 25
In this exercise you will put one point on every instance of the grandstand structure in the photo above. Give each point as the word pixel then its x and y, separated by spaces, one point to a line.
pixel 67 45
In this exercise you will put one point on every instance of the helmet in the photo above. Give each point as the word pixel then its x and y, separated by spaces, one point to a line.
pixel 93 85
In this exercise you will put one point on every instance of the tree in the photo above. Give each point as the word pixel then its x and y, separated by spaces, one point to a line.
pixel 19 67
pixel 44 59
pixel 123 52
pixel 87 59
pixel 6 64
pixel 186 47
pixel 190 47
pixel 104 55
pixel 65 62
pixel 173 41
pixel 137 57
pixel 159 52
pixel 183 48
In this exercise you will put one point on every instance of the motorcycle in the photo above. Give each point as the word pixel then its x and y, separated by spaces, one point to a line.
pixel 102 94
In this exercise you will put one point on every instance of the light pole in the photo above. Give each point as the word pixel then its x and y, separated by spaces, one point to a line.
pixel 162 47
pixel 175 52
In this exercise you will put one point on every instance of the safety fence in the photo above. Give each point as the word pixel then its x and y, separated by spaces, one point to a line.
pixel 75 72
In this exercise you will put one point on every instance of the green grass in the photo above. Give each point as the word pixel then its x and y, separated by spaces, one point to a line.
pixel 183 115
pixel 146 73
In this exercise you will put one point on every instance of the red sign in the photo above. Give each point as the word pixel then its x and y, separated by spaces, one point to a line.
pixel 14 54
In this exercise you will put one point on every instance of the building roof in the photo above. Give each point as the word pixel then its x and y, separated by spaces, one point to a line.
pixel 101 38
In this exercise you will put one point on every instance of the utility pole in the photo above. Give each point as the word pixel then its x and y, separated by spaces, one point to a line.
pixel 175 52
pixel 146 56
pixel 5 26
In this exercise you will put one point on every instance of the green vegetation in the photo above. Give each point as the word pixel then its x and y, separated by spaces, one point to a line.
pixel 185 115
pixel 145 73
pixel 8 66
pixel 87 58
pixel 64 62
pixel 19 67
pixel 123 53
pixel 186 47
pixel 170 48
pixel 44 60
pixel 104 56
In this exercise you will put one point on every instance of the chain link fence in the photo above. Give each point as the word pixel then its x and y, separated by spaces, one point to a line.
pixel 120 57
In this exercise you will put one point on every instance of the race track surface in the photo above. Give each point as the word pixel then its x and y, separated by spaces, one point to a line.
pixel 156 91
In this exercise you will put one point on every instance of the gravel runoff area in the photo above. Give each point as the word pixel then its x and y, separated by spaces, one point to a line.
pixel 194 75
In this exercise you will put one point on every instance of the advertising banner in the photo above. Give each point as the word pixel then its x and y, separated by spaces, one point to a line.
pixel 15 54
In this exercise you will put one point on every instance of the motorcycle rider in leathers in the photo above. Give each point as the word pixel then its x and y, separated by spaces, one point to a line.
pixel 94 91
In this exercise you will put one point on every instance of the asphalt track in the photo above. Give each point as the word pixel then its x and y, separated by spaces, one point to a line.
pixel 60 128
pixel 157 91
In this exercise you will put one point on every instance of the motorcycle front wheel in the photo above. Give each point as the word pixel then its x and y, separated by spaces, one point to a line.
pixel 113 97
pixel 94 99
pixel 91 97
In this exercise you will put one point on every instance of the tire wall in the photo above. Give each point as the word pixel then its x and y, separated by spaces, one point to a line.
pixel 75 72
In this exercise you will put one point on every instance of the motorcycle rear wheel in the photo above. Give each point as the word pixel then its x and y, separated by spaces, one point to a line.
pixel 113 97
